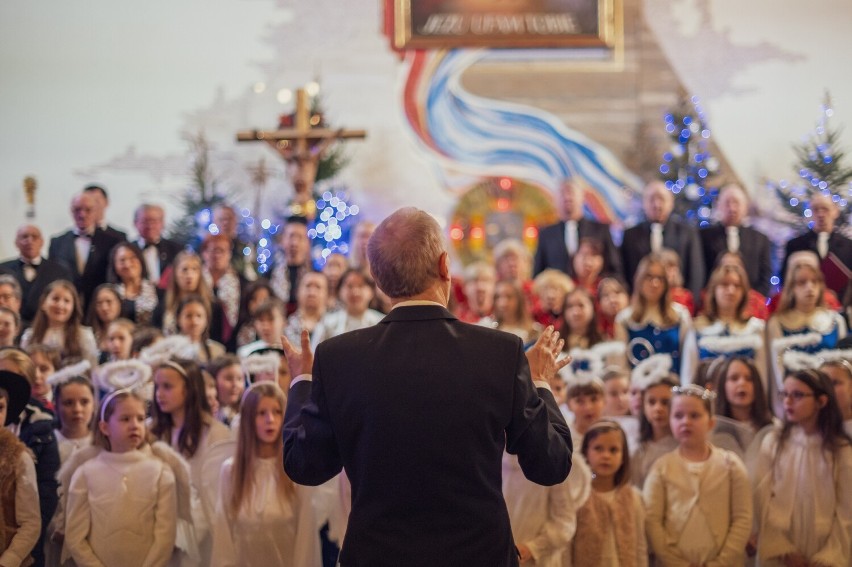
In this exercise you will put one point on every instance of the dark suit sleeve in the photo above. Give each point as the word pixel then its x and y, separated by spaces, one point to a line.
pixel 764 270
pixel 613 255
pixel 694 263
pixel 311 454
pixel 537 434
pixel 540 261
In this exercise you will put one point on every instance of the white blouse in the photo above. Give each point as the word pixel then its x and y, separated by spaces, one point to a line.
pixel 269 529
pixel 68 447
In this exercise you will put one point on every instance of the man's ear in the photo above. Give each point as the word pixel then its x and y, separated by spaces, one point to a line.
pixel 444 266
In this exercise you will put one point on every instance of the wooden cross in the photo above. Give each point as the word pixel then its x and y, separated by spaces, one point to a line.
pixel 302 142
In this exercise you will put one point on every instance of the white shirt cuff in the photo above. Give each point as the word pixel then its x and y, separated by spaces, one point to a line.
pixel 542 384
pixel 301 378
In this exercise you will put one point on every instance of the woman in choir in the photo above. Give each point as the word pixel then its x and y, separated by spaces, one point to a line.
pixel 262 517
pixel 724 328
pixel 139 295
pixel 185 279
pixel 612 298
pixel 652 324
pixel 550 288
pixel 802 492
pixel 611 523
pixel 697 497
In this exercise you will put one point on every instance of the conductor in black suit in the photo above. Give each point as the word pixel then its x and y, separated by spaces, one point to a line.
pixel 159 252
pixel 418 410
pixel 558 242
pixel 31 270
pixel 823 238
pixel 731 236
pixel 659 230
pixel 84 250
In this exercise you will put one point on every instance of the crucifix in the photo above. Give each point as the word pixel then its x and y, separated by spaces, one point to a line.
pixel 301 143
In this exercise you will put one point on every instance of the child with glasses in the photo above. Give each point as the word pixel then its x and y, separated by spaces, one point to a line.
pixel 803 496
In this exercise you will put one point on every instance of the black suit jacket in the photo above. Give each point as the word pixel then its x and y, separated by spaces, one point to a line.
pixel 680 237
pixel 755 249
pixel 166 251
pixel 838 244
pixel 418 409
pixel 552 253
pixel 46 272
pixel 63 251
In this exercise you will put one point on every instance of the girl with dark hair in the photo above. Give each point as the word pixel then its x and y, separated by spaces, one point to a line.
pixel 803 494
pixel 742 410
pixel 579 322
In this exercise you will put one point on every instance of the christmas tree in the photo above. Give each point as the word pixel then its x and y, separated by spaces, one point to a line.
pixel 687 164
pixel 821 169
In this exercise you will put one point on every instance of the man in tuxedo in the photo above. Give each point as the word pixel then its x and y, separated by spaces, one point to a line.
pixel 84 250
pixel 159 252
pixel 418 410
pixel 659 230
pixel 823 239
pixel 101 202
pixel 558 242
pixel 31 270
pixel 731 236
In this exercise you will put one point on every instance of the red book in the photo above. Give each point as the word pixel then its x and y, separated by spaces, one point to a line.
pixel 837 274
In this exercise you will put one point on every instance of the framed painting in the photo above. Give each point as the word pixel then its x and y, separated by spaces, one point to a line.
pixel 435 24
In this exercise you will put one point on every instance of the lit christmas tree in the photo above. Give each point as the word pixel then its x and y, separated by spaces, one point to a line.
pixel 688 164
pixel 821 170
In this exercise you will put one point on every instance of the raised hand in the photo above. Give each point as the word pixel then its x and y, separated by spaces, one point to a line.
pixel 300 361
pixel 543 357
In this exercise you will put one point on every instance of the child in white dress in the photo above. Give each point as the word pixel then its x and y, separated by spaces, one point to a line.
pixel 803 495
pixel 654 379
pixel 611 523
pixel 123 498
pixel 262 517
pixel 698 499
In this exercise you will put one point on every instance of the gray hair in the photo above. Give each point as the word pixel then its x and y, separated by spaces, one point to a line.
pixel 6 279
pixel 404 251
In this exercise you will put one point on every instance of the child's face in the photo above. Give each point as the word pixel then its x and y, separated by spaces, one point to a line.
pixel 505 302
pixel 169 390
pixel 58 306
pixel 587 264
pixel 8 329
pixel 212 400
pixel 605 454
pixel 612 300
pixel 270 327
pixel 119 342
pixel 552 298
pixel 656 406
pixel 616 397
pixel 690 421
pixel 739 388
pixel 230 385
pixel 107 306
pixel 636 401
pixel 75 405
pixel 260 295
pixel 192 321
pixel 269 419
pixel 44 368
pixel 653 284
pixel 801 406
pixel 188 275
pixel 587 409
pixel 729 291
pixel 842 387
pixel 578 312
pixel 806 289
pixel 125 428
pixel 355 294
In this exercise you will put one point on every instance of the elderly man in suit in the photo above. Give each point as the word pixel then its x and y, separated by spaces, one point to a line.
pixel 824 239
pixel 84 250
pixel 159 252
pixel 659 230
pixel 558 242
pixel 730 235
pixel 418 410
pixel 31 270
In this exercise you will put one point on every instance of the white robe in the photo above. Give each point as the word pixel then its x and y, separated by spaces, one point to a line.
pixel 122 511
pixel 803 500
pixel 269 529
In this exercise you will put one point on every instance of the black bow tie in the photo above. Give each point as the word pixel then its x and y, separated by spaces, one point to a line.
pixel 30 264
pixel 150 245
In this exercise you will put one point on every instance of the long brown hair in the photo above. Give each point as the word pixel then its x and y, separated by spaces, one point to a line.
pixel 248 448
pixel 622 475
pixel 196 409
pixel 71 347
pixel 639 304
pixel 788 300
pixel 712 308
pixel 174 294
pixel 829 419
pixel 760 414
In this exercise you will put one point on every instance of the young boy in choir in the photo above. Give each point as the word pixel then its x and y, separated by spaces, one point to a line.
pixel 697 497
pixel 122 500
pixel 262 517
pixel 269 320
pixel 611 523
pixel 585 398
pixel 654 379
pixel 46 360
pixel 10 326
pixel 803 496
pixel 230 385
pixel 19 517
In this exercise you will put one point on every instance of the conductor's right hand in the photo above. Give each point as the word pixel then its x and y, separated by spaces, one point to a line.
pixel 543 356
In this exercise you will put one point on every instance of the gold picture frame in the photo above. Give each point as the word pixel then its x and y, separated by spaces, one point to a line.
pixel 440 24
